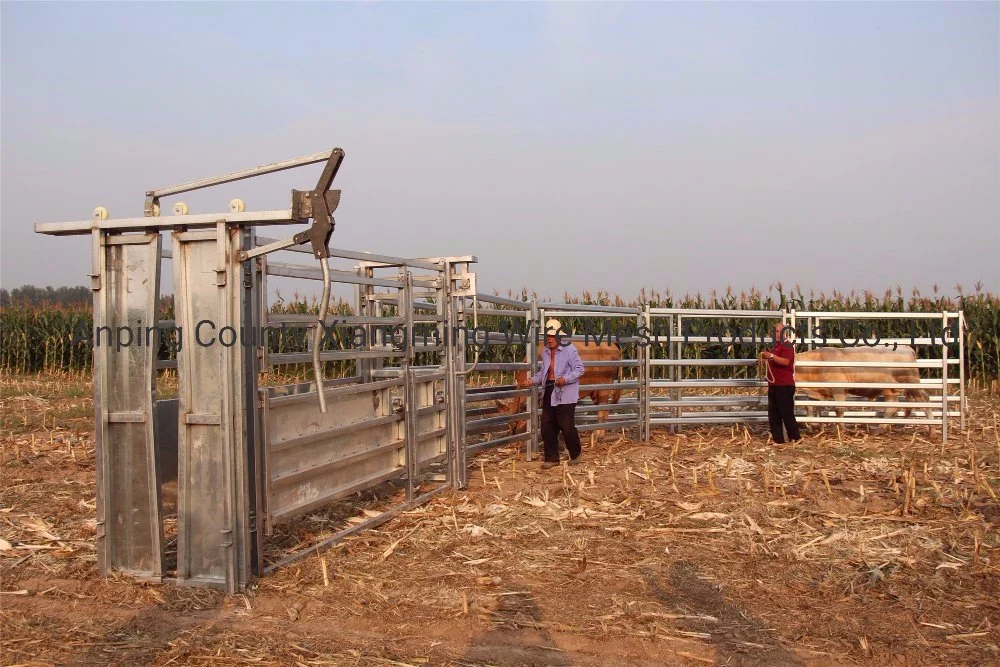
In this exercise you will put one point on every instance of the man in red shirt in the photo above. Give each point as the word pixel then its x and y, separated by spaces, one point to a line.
pixel 781 387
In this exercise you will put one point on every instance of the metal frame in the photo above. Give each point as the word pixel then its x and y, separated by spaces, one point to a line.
pixel 251 456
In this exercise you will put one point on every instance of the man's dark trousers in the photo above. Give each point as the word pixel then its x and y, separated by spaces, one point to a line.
pixel 556 419
pixel 781 410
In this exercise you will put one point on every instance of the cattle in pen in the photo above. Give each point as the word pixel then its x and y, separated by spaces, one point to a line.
pixel 854 375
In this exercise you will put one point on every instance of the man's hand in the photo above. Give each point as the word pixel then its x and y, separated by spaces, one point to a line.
pixel 766 355
pixel 524 384
pixel 560 381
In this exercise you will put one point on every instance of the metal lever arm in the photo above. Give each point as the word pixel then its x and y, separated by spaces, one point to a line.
pixel 319 204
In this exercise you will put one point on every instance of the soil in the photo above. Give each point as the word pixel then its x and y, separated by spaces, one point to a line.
pixel 708 546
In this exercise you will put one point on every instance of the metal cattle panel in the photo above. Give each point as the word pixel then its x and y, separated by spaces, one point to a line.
pixel 129 527
pixel 314 457
pixel 211 506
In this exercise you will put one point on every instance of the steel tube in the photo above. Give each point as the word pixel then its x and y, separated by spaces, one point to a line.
pixel 241 175
pixel 310 273
pixel 162 223
pixel 502 301
pixel 475 448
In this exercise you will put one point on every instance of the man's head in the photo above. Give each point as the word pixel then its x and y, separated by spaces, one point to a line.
pixel 553 330
pixel 780 335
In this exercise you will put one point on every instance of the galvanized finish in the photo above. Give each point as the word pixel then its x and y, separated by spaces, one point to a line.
pixel 213 508
pixel 129 524
pixel 248 457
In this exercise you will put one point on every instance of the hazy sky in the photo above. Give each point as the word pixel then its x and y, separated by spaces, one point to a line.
pixel 568 146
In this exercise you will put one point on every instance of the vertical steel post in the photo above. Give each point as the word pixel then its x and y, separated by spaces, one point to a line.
pixel 538 331
pixel 944 378
pixel 645 426
pixel 678 374
pixel 253 311
pixel 960 321
pixel 410 399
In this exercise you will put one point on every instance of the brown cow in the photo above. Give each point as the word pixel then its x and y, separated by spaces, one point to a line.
pixel 854 374
pixel 591 375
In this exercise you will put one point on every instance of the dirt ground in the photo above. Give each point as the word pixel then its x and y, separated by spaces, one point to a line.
pixel 707 547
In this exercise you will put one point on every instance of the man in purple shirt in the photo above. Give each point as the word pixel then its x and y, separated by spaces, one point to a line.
pixel 560 373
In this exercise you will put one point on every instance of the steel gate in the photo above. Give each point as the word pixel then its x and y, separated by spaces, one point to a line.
pixel 250 455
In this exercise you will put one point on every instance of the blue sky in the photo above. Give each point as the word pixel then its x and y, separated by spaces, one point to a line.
pixel 569 146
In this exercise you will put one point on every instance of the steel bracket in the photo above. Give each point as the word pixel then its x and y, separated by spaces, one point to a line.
pixel 319 204
pixel 464 284
pixel 151 209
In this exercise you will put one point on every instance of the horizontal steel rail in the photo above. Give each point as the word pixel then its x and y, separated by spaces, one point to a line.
pixel 860 345
pixel 934 405
pixel 868 385
pixel 925 421
pixel 625 385
pixel 705 384
pixel 241 175
pixel 707 401
pixel 389 300
pixel 503 366
pixel 168 222
pixel 312 273
pixel 873 315
pixel 504 301
pixel 477 447
pixel 482 425
pixel 704 362
pixel 483 312
pixel 471 397
pixel 608 425
pixel 869 364
pixel 571 310
pixel 708 312
pixel 286 358
pixel 306 393
pixel 695 418
pixel 307 321
pixel 383 260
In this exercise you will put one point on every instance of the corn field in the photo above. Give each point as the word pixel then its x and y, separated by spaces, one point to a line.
pixel 57 338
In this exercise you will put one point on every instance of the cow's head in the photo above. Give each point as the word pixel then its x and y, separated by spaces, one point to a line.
pixel 512 406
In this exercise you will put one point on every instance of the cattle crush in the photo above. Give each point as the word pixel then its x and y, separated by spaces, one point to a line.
pixel 249 453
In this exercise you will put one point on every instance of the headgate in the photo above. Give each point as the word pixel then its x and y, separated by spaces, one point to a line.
pixel 251 449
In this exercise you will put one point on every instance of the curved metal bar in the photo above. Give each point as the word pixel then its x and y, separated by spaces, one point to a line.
pixel 318 335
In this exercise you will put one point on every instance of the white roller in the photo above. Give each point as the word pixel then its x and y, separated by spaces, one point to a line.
pixel 237 206
pixel 180 208
pixel 101 213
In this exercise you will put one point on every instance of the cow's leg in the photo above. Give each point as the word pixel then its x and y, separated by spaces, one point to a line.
pixel 599 398
pixel 602 417
pixel 891 396
pixel 839 395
